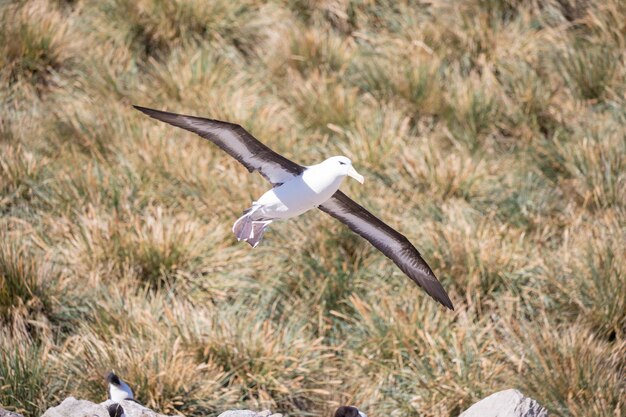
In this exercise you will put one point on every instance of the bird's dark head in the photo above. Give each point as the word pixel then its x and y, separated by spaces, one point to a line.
pixel 348 411
pixel 115 410
pixel 113 379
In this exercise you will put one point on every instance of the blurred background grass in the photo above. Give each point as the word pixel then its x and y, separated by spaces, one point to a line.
pixel 491 133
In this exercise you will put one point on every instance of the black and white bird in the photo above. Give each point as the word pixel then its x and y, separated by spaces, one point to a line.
pixel 118 389
pixel 298 188
pixel 349 411
pixel 116 410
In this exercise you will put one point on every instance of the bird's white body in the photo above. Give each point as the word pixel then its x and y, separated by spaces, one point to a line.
pixel 315 186
pixel 120 392
pixel 312 188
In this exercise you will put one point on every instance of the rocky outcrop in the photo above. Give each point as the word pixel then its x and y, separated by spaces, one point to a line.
pixel 71 407
pixel 5 413
pixel 508 403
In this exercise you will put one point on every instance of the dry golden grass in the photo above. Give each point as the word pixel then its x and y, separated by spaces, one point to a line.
pixel 491 133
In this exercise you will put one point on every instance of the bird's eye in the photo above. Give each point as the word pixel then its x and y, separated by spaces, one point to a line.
pixel 341 163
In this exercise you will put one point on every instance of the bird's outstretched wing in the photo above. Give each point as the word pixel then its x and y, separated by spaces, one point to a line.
pixel 236 142
pixel 391 243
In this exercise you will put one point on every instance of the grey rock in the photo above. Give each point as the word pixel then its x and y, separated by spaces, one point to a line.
pixel 76 408
pixel 71 407
pixel 507 403
pixel 5 413
pixel 133 409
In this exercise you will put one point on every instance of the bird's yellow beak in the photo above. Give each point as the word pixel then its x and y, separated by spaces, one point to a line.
pixel 352 172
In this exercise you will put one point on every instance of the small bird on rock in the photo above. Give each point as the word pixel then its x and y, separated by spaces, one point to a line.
pixel 116 410
pixel 349 411
pixel 118 389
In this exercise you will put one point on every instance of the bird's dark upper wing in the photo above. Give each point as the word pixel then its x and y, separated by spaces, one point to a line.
pixel 391 243
pixel 236 142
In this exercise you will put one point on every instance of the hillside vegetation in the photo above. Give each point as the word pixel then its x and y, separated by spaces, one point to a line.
pixel 490 132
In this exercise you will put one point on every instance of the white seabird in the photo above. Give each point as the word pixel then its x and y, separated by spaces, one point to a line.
pixel 118 389
pixel 310 189
pixel 349 411
pixel 298 188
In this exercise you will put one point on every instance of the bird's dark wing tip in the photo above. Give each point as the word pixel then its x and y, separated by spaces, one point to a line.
pixel 146 110
pixel 433 287
pixel 443 298
pixel 163 116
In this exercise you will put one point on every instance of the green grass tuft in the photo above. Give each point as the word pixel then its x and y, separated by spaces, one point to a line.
pixel 24 378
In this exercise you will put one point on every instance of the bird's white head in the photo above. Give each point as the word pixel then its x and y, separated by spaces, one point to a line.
pixel 343 166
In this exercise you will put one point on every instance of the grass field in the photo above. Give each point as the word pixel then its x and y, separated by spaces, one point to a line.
pixel 490 132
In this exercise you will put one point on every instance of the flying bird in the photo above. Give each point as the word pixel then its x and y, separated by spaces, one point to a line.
pixel 349 411
pixel 298 188
pixel 118 389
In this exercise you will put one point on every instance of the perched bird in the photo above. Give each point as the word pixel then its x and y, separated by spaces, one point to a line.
pixel 298 188
pixel 116 410
pixel 349 411
pixel 118 389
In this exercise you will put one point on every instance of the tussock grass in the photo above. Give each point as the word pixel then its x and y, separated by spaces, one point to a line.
pixel 588 166
pixel 25 293
pixel 472 110
pixel 589 276
pixel 315 50
pixel 22 173
pixel 574 365
pixel 283 373
pixel 417 83
pixel 37 41
pixel 490 133
pixel 589 69
pixel 157 365
pixel 153 248
pixel 154 28
pixel 320 103
pixel 23 375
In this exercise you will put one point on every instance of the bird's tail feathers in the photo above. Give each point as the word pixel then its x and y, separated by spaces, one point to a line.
pixel 249 230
